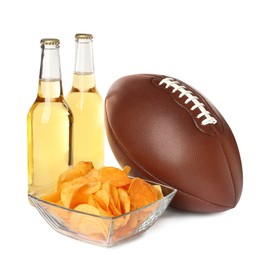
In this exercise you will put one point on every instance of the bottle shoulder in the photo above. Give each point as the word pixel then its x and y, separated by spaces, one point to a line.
pixel 50 107
pixel 90 103
pixel 84 97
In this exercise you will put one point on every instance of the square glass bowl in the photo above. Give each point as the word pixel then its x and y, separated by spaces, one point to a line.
pixel 100 230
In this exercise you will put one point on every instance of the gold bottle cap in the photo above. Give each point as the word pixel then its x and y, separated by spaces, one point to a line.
pixel 83 36
pixel 50 41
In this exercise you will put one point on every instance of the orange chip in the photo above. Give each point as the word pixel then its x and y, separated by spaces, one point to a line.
pixel 115 198
pixel 159 191
pixel 114 203
pixel 141 193
pixel 53 197
pixel 85 167
pixel 100 205
pixel 127 169
pixel 93 174
pixel 121 222
pixel 80 196
pixel 69 189
pixel 80 169
pixel 86 224
pixel 124 200
pixel 126 187
pixel 122 232
pixel 59 211
pixel 87 209
pixel 69 175
pixel 117 177
pixel 125 208
pixel 133 221
pixel 104 197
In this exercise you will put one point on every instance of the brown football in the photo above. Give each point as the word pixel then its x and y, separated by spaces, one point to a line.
pixel 170 133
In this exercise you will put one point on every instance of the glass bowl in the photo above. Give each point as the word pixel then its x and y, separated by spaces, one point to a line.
pixel 100 230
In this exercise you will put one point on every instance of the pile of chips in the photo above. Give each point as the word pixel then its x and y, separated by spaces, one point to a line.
pixel 107 192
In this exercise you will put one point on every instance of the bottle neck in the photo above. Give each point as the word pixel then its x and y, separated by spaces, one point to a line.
pixel 50 64
pixel 50 86
pixel 84 62
pixel 84 77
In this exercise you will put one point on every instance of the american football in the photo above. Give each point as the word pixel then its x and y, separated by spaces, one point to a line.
pixel 170 133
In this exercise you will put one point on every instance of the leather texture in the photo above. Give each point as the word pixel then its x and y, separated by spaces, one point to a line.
pixel 154 131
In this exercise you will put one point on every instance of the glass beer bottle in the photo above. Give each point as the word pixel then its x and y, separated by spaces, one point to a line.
pixel 86 105
pixel 49 123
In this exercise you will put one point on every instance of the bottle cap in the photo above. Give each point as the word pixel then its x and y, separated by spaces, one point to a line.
pixel 83 36
pixel 50 41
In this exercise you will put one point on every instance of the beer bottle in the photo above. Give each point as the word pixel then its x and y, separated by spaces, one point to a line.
pixel 49 122
pixel 86 105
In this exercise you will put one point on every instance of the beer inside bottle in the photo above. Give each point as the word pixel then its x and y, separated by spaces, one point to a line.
pixel 49 123
pixel 86 105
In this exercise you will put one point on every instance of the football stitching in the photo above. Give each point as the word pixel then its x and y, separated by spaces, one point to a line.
pixel 170 82
pixel 149 173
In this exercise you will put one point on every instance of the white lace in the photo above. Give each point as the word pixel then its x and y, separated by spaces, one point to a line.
pixel 190 98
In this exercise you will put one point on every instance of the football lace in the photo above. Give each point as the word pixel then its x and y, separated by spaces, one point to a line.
pixel 190 98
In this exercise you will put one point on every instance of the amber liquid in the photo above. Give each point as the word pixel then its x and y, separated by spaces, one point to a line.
pixel 88 130
pixel 49 124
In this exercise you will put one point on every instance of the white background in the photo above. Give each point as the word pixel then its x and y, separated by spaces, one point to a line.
pixel 215 46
